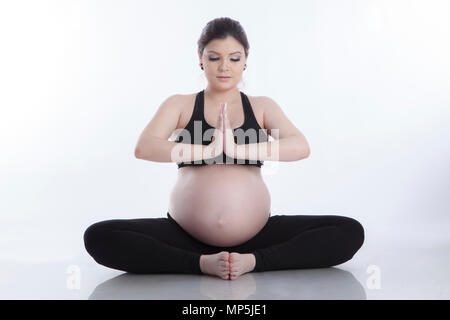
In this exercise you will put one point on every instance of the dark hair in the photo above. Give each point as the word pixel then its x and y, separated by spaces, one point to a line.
pixel 220 28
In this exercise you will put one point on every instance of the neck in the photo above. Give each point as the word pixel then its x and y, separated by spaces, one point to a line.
pixel 225 95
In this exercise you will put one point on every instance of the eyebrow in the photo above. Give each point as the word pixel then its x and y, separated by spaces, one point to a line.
pixel 219 53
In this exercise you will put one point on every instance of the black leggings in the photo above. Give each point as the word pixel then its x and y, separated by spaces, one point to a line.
pixel 160 245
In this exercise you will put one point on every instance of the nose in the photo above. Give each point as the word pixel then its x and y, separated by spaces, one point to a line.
pixel 223 66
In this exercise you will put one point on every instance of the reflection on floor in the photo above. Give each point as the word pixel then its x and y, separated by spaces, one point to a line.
pixel 373 273
pixel 329 283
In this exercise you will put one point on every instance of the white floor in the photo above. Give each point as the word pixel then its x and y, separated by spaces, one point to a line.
pixel 386 271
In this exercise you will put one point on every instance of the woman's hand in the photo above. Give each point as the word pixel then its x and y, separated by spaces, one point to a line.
pixel 229 145
pixel 215 148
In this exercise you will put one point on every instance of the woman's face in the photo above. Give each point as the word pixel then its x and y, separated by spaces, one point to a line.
pixel 223 57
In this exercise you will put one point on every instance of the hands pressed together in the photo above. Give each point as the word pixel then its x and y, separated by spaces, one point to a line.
pixel 223 137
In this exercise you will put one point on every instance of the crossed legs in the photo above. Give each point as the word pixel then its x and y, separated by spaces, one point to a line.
pixel 160 245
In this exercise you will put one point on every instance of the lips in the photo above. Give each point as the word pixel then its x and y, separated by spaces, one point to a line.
pixel 223 77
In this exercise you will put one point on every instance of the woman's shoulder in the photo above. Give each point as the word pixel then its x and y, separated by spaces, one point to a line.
pixel 261 102
pixel 181 99
pixel 182 96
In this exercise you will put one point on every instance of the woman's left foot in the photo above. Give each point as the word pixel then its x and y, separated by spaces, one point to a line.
pixel 241 263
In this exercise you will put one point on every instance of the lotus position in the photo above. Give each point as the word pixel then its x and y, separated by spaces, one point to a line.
pixel 219 220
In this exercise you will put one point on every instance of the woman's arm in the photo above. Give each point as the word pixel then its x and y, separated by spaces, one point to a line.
pixel 289 143
pixel 153 144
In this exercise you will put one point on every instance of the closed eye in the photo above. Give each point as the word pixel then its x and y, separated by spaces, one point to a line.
pixel 215 59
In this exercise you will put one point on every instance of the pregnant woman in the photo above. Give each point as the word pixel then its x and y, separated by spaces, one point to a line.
pixel 219 220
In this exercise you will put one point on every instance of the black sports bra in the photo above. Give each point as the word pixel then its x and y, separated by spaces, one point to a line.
pixel 243 136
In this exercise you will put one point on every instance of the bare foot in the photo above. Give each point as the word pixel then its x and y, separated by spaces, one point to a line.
pixel 216 264
pixel 241 263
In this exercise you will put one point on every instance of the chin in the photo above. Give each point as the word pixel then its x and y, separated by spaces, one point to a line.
pixel 226 84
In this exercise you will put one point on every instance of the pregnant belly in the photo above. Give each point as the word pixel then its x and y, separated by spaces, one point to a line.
pixel 220 205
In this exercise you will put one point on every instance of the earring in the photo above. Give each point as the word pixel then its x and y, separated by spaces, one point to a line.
pixel 245 66
pixel 201 66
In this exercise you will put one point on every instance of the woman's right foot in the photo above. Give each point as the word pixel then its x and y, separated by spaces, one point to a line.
pixel 216 264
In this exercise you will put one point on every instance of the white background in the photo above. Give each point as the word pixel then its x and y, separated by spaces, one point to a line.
pixel 367 83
